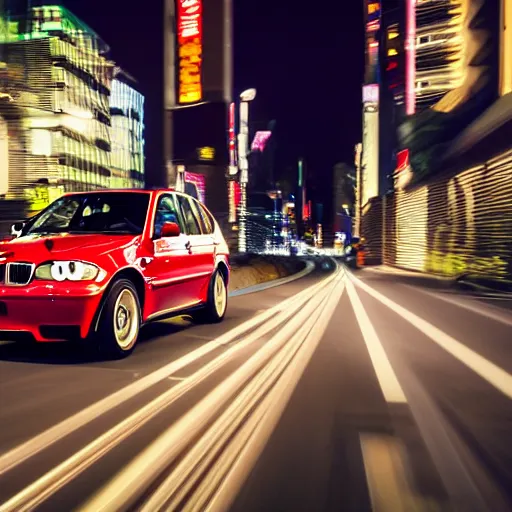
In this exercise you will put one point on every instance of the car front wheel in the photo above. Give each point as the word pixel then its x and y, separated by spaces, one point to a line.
pixel 119 321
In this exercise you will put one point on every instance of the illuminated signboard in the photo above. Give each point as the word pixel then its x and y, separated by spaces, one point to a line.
pixel 206 154
pixel 410 57
pixel 403 172
pixel 190 50
pixel 373 17
pixel 195 185
pixel 371 93
pixel 232 140
pixel 260 140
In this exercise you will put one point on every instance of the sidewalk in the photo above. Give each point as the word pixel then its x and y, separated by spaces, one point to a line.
pixel 482 286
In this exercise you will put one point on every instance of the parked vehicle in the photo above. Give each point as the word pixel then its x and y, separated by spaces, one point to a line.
pixel 97 266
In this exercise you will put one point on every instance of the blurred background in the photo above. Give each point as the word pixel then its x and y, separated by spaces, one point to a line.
pixel 258 111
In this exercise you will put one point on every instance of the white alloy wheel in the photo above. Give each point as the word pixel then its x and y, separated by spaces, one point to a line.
pixel 126 319
pixel 220 295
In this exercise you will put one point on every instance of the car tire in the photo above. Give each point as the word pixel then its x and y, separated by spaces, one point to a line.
pixel 217 302
pixel 119 321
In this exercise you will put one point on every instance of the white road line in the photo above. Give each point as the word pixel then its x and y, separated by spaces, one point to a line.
pixel 480 309
pixel 248 447
pixel 141 471
pixel 388 381
pixel 490 372
pixel 221 438
pixel 55 433
pixel 387 476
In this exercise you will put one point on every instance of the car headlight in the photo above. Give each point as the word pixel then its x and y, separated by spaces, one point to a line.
pixel 67 271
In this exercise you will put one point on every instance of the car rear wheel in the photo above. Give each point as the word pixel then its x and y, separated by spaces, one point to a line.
pixel 217 302
pixel 119 322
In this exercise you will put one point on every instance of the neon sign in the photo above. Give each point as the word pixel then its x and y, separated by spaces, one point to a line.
pixel 190 50
pixel 195 185
pixel 206 154
pixel 410 57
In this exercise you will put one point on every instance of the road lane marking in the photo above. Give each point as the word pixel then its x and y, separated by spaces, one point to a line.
pixel 479 309
pixel 490 372
pixel 134 479
pixel 387 478
pixel 78 420
pixel 40 490
pixel 388 381
pixel 232 470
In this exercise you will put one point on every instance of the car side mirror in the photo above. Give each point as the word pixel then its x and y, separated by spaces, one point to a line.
pixel 17 228
pixel 170 229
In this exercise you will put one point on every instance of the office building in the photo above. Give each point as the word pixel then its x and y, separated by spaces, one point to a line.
pixel 58 116
pixel 127 132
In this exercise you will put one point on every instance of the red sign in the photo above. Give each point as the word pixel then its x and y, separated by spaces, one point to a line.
pixel 232 138
pixel 190 50
pixel 190 26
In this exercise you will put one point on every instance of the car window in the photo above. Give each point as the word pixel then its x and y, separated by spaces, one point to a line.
pixel 95 212
pixel 167 211
pixel 58 216
pixel 193 227
pixel 206 221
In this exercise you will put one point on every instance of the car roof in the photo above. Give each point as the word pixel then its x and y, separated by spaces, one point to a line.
pixel 121 190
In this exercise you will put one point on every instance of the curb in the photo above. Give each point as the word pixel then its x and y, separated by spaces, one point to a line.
pixel 276 282
pixel 453 281
pixel 487 289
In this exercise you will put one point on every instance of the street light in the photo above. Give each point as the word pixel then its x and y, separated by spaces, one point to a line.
pixel 243 163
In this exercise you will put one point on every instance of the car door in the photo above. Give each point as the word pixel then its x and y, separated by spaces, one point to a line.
pixel 168 272
pixel 201 246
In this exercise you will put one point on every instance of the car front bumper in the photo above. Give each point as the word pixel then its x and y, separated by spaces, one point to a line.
pixel 48 312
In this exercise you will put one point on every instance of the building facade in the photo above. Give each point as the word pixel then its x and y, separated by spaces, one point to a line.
pixel 127 118
pixel 58 81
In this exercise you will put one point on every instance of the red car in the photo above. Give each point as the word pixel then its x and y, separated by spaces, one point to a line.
pixel 97 266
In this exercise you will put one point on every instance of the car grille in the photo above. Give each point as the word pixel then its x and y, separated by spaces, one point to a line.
pixel 18 274
pixel 2 273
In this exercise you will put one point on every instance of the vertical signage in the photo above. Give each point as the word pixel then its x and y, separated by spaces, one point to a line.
pixel 190 50
pixel 410 57
pixel 372 18
pixel 232 141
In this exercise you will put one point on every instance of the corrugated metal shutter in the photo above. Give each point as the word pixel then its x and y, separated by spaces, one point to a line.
pixel 461 225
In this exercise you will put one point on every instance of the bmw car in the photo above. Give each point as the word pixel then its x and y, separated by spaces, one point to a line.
pixel 96 266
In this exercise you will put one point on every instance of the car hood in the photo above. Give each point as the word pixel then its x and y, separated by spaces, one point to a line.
pixel 39 248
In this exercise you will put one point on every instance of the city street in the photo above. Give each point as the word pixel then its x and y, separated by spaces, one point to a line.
pixel 343 390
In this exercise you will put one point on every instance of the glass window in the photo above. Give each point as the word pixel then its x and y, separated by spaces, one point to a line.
pixel 113 212
pixel 41 142
pixel 206 221
pixel 167 211
pixel 188 214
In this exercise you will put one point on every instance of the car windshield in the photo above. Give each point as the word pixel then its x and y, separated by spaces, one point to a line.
pixel 112 212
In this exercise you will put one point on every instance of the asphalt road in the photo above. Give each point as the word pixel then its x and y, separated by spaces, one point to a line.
pixel 340 391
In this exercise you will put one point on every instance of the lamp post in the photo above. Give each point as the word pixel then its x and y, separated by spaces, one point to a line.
pixel 243 163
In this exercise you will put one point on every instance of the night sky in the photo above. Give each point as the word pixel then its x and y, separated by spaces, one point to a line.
pixel 305 59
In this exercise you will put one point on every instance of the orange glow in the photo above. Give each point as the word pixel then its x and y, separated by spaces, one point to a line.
pixel 373 8
pixel 190 51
